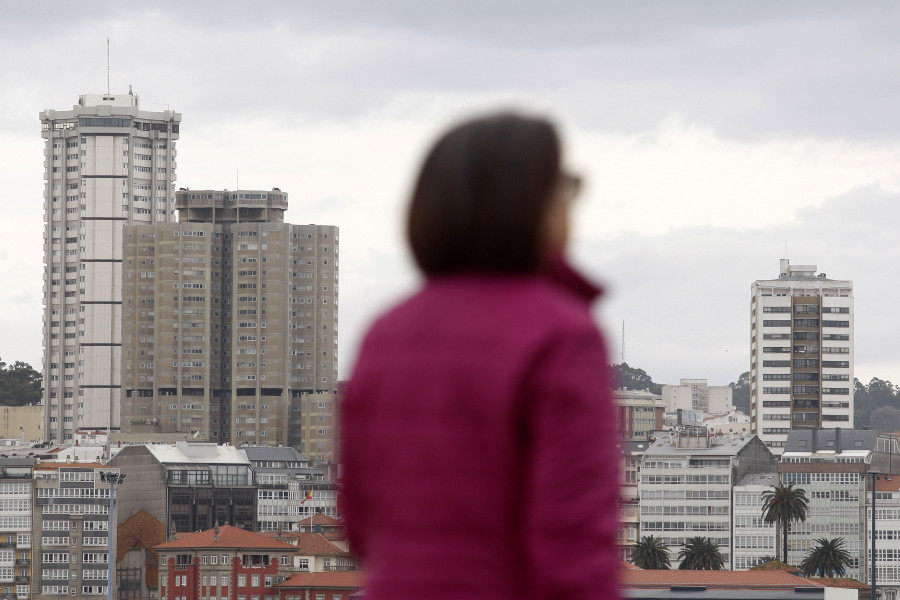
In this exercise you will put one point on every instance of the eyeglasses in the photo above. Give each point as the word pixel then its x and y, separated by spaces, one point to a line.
pixel 568 185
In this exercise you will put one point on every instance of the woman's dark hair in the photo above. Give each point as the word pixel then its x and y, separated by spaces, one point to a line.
pixel 482 195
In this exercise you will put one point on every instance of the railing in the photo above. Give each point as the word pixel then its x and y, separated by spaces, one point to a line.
pixel 23 579
pixel 7 544
pixel 23 562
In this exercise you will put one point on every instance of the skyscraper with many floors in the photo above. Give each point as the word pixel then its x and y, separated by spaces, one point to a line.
pixel 801 353
pixel 230 324
pixel 107 163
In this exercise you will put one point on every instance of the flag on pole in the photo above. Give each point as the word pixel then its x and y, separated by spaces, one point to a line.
pixel 307 497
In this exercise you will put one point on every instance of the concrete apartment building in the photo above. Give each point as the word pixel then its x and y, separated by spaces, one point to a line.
pixel 107 163
pixel 697 394
pixel 229 323
pixel 801 353
pixel 15 527
pixel 70 531
pixel 832 465
pixel 687 483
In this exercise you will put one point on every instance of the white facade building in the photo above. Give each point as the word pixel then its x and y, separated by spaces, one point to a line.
pixel 697 394
pixel 686 486
pixel 801 353
pixel 887 540
pixel 754 540
pixel 106 164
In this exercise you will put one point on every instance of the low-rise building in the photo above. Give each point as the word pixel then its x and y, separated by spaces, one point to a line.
pixel 754 539
pixel 16 479
pixel 687 483
pixel 321 586
pixel 223 562
pixel 831 465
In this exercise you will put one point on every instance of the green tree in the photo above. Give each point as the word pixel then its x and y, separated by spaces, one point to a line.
pixel 632 378
pixel 829 559
pixel 700 553
pixel 20 384
pixel 867 398
pixel 783 505
pixel 885 419
pixel 740 392
pixel 651 553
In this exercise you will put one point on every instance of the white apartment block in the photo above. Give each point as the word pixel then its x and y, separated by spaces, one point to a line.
pixel 801 353
pixel 832 465
pixel 754 540
pixel 107 163
pixel 697 394
pixel 887 539
pixel 687 482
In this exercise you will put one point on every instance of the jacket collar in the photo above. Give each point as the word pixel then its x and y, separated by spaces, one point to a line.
pixel 561 272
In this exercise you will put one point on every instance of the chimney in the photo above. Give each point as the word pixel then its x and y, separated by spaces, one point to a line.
pixel 837 440
pixel 813 446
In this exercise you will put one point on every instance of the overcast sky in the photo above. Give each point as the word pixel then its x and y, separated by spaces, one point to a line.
pixel 715 137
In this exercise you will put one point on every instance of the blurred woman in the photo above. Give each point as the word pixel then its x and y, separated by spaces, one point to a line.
pixel 478 433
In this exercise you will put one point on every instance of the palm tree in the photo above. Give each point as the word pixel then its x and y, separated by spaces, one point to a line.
pixel 783 505
pixel 651 553
pixel 700 553
pixel 829 559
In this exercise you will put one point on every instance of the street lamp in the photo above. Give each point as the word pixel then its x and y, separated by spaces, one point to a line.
pixel 113 478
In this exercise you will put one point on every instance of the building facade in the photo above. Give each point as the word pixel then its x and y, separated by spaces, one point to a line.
pixel 639 413
pixel 801 353
pixel 70 531
pixel 223 562
pixel 106 163
pixel 832 465
pixel 16 478
pixel 754 539
pixel 229 321
pixel 697 394
pixel 290 489
pixel 687 483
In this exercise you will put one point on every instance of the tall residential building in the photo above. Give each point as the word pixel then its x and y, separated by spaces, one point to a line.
pixel 107 163
pixel 801 353
pixel 229 323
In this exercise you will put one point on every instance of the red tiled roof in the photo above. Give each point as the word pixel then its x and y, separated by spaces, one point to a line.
pixel 624 564
pixel 890 484
pixel 714 579
pixel 841 582
pixel 315 544
pixel 325 579
pixel 322 519
pixel 229 537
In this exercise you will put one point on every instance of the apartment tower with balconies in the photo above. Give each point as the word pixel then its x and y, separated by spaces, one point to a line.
pixel 107 164
pixel 229 323
pixel 801 353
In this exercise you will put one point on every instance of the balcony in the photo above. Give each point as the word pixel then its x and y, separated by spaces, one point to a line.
pixel 23 579
pixel 7 544
pixel 23 562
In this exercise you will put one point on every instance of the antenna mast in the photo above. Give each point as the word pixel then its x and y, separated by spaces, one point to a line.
pixel 622 358
pixel 107 66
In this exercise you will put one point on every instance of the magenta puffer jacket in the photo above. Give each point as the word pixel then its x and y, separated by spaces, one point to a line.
pixel 479 444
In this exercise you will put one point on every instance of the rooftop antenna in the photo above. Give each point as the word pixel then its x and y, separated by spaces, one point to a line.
pixel 237 178
pixel 622 359
pixel 107 66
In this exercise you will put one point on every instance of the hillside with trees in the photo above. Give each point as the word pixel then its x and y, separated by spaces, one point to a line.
pixel 20 384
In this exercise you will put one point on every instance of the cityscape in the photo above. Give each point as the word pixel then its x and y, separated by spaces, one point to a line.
pixel 177 438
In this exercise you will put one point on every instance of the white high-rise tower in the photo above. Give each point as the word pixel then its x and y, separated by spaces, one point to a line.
pixel 106 164
pixel 801 353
